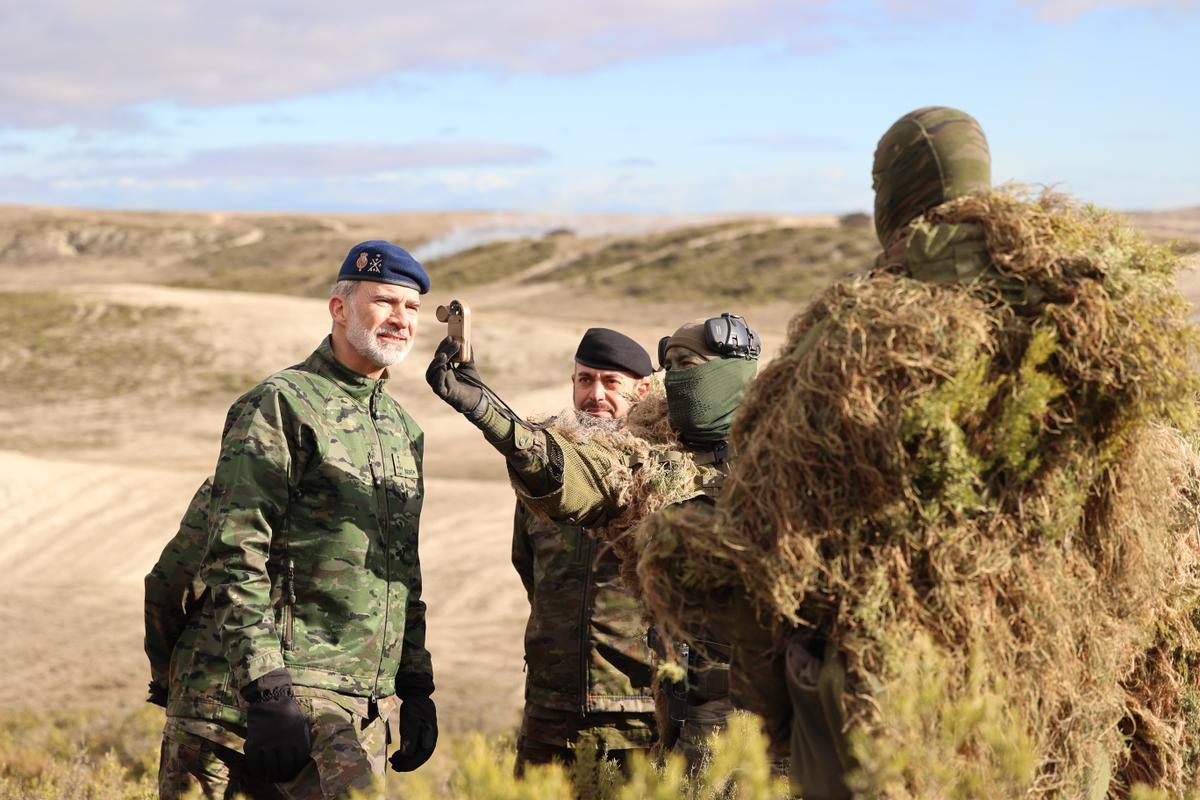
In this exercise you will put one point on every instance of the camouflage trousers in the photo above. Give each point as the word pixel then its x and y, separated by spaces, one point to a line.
pixel 692 712
pixel 549 735
pixel 349 753
pixel 703 721
pixel 819 752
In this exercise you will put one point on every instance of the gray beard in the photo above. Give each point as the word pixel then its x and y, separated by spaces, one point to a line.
pixel 369 347
pixel 598 424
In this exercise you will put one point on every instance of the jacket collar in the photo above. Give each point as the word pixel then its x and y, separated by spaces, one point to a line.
pixel 355 384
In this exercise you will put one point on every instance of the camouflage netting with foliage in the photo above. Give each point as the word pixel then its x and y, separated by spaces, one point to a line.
pixel 990 508
pixel 646 466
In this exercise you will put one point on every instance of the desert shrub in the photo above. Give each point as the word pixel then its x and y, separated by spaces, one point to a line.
pixel 113 755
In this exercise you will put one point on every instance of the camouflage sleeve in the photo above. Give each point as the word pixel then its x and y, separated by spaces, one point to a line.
pixel 414 657
pixel 522 549
pixel 250 496
pixel 584 494
pixel 554 476
pixel 173 586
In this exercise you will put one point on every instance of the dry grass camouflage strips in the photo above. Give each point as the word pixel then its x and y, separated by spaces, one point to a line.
pixel 647 468
pixel 991 507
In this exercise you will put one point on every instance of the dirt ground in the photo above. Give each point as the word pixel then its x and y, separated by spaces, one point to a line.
pixel 91 490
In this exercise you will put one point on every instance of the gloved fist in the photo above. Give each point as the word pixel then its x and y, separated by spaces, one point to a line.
pixel 418 722
pixel 464 396
pixel 157 694
pixel 278 741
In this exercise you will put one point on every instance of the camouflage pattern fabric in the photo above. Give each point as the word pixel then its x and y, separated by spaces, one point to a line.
pixel 553 731
pixel 585 642
pixel 311 557
pixel 580 490
pixel 174 588
pixel 579 485
pixel 349 754
pixel 929 156
pixel 561 480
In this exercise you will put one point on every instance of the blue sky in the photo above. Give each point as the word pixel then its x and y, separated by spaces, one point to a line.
pixel 619 106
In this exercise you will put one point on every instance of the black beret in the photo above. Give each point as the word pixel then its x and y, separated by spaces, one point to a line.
pixel 383 262
pixel 601 348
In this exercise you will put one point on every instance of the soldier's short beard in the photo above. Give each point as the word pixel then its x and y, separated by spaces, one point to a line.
pixel 379 353
pixel 598 423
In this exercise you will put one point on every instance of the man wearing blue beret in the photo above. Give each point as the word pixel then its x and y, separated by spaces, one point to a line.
pixel 284 622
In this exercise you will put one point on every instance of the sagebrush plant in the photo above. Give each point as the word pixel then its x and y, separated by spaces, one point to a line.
pixel 92 754
pixel 112 754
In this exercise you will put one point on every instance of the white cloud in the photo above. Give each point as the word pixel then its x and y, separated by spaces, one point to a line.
pixel 294 162
pixel 79 61
pixel 278 176
pixel 1067 10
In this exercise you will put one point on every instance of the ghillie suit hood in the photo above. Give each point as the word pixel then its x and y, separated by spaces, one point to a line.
pixel 982 488
pixel 928 157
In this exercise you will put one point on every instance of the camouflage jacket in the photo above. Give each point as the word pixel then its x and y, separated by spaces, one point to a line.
pixel 577 484
pixel 174 588
pixel 310 558
pixel 585 643
pixel 582 485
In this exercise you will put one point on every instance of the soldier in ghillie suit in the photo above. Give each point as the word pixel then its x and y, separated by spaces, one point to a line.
pixel 673 449
pixel 960 532
pixel 925 159
pixel 284 622
pixel 588 668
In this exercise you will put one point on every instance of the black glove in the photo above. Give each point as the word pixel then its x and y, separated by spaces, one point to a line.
pixel 418 721
pixel 278 742
pixel 464 396
pixel 158 694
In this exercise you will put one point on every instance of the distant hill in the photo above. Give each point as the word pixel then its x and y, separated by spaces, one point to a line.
pixel 748 258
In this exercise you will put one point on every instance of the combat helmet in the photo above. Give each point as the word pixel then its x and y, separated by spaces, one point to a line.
pixel 929 156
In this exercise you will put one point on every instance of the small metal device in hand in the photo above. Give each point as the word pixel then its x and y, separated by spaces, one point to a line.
pixel 457 317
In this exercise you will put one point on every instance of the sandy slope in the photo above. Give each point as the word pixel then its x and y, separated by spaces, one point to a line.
pixel 80 537
pixel 87 504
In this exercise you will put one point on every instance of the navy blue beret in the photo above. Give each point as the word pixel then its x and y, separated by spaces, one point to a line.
pixel 384 262
pixel 601 348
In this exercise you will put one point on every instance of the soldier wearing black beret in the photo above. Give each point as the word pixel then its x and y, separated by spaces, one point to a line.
pixel 588 667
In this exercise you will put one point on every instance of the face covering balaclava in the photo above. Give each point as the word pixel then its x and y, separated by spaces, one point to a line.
pixel 703 399
pixel 928 157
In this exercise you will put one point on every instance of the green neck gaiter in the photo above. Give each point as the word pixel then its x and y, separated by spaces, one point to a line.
pixel 703 399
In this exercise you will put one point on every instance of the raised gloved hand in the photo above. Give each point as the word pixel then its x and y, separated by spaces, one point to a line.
pixel 459 386
pixel 278 741
pixel 418 721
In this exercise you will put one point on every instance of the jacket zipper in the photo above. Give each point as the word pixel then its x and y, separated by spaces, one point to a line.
pixel 289 579
pixel 384 525
pixel 289 608
pixel 585 649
